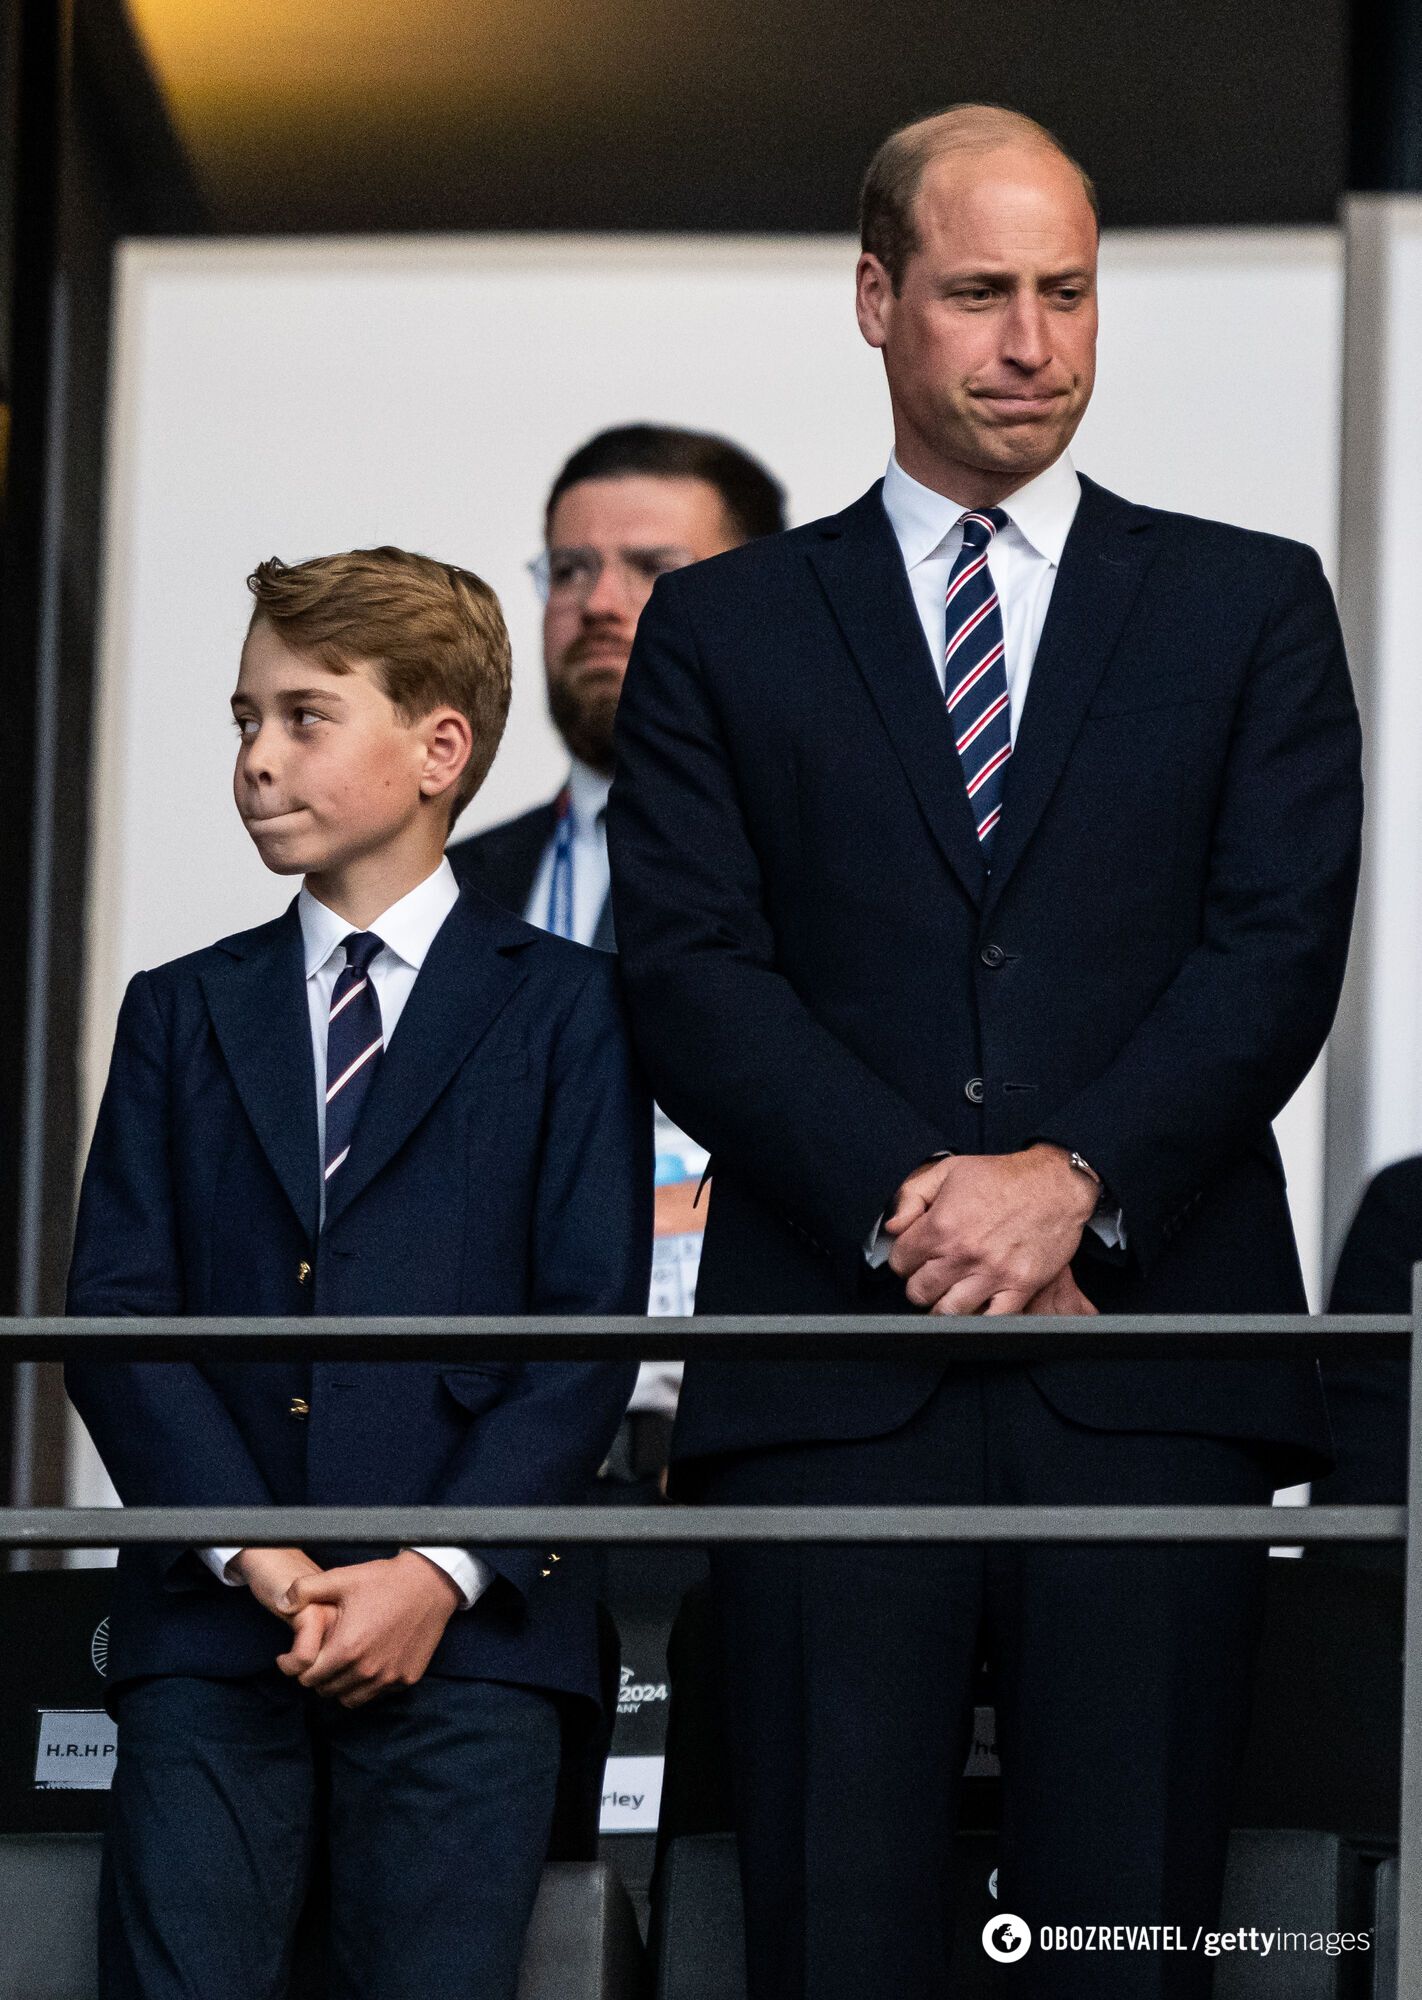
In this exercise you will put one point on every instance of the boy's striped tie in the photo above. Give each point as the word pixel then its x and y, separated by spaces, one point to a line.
pixel 355 1042
pixel 976 674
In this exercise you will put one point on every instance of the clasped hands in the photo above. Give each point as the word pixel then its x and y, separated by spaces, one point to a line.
pixel 979 1233
pixel 358 1629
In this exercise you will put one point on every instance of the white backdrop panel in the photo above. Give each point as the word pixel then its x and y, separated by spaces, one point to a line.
pixel 293 398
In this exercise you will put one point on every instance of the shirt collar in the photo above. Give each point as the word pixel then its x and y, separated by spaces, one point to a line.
pixel 1042 511
pixel 407 928
pixel 588 790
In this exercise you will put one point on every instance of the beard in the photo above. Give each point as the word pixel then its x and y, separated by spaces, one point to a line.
pixel 583 706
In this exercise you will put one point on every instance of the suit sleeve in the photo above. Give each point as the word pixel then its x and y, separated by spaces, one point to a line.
pixel 735 1056
pixel 1238 1028
pixel 165 1436
pixel 1368 1398
pixel 591 1248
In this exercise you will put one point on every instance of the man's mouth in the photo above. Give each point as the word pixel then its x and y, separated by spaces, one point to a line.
pixel 1020 403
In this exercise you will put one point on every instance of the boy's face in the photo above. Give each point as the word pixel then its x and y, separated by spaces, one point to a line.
pixel 328 771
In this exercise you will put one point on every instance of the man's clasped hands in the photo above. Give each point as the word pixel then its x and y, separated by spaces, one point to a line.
pixel 976 1233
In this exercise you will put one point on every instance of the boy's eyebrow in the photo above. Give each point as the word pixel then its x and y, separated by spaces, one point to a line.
pixel 291 696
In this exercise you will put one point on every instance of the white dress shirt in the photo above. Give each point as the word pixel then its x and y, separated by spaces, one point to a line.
pixel 406 931
pixel 1023 559
pixel 588 791
pixel 658 1382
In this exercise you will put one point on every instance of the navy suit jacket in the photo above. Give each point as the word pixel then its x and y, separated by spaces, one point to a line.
pixel 828 988
pixel 502 861
pixel 502 1165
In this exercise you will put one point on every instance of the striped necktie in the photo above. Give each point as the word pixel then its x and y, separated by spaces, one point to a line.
pixel 975 675
pixel 354 1043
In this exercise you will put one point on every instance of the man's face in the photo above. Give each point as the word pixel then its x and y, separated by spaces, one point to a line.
pixel 328 771
pixel 990 344
pixel 608 542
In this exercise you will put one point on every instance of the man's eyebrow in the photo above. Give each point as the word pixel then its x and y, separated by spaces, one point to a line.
pixel 623 548
pixel 998 274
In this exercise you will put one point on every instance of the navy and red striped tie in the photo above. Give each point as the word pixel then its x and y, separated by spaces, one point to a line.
pixel 355 1041
pixel 975 679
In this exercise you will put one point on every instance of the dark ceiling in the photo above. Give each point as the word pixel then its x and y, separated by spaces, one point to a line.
pixel 731 114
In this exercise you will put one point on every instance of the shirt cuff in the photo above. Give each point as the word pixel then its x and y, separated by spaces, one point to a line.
pixel 876 1244
pixel 218 1560
pixel 470 1576
pixel 1110 1226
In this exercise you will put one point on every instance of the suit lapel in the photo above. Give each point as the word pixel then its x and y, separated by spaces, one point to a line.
pixel 257 1003
pixel 861 571
pixel 1102 566
pixel 468 977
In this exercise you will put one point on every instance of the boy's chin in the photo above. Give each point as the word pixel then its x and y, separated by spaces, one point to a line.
pixel 289 856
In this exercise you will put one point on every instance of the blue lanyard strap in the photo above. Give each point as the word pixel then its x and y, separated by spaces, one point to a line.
pixel 560 884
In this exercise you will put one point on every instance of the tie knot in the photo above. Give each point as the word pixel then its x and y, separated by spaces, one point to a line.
pixel 361 948
pixel 980 526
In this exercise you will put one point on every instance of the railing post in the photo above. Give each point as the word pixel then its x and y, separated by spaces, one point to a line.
pixel 1409 1915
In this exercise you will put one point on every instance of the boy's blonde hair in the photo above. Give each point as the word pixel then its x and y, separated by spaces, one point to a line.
pixel 434 634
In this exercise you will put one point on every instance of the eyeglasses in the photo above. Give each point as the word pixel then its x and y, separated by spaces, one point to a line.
pixel 570 576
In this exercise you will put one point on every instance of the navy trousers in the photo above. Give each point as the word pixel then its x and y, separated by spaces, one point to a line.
pixel 435 1803
pixel 1122 1682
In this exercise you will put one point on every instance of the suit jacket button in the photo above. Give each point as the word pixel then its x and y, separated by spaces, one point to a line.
pixel 299 1407
pixel 993 957
pixel 303 1272
pixel 973 1090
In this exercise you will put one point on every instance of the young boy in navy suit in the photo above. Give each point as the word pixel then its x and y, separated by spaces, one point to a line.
pixel 395 1099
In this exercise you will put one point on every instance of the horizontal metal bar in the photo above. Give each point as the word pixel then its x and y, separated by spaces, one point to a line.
pixel 310 1527
pixel 742 1337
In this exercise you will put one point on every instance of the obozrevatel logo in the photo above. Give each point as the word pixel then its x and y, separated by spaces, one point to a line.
pixel 99 1647
pixel 1006 1938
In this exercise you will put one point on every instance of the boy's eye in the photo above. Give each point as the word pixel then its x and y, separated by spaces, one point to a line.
pixel 308 715
pixel 245 725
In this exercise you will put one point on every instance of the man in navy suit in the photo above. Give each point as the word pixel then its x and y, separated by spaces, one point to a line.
pixel 395 1099
pixel 983 861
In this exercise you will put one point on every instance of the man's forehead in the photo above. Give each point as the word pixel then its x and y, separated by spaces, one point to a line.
pixel 1012 193
pixel 640 509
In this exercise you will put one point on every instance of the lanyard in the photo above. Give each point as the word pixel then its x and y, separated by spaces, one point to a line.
pixel 560 884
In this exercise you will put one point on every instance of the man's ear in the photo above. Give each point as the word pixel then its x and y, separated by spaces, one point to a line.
pixel 448 745
pixel 873 299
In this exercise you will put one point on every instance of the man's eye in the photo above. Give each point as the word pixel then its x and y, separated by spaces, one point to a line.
pixel 567 569
pixel 649 564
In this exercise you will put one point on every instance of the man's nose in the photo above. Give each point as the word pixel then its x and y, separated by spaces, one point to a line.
pixel 1027 336
pixel 609 596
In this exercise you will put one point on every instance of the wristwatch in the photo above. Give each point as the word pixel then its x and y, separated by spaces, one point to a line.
pixel 1082 1166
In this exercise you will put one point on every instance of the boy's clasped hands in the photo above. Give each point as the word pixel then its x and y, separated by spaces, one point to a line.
pixel 358 1629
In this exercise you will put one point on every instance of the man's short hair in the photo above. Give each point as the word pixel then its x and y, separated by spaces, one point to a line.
pixel 891 185
pixel 753 500
pixel 433 632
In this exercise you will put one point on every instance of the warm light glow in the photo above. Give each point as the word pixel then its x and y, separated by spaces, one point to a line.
pixel 229 66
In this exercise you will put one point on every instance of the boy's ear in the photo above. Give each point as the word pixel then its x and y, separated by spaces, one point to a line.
pixel 449 744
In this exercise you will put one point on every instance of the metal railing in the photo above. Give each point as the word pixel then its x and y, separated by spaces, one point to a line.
pixel 896 1337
